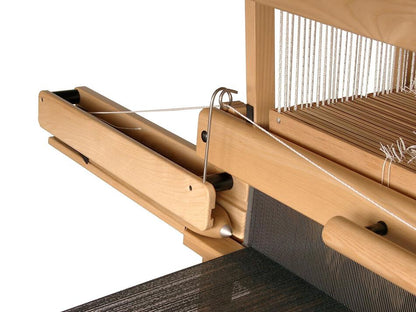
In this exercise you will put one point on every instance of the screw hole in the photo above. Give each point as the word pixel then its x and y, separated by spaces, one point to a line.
pixel 190 187
pixel 41 99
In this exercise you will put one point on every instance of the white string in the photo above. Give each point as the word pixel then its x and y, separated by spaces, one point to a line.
pixel 322 169
pixel 338 64
pixel 279 83
pixel 175 109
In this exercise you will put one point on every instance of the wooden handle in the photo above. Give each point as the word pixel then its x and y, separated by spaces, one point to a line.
pixel 372 251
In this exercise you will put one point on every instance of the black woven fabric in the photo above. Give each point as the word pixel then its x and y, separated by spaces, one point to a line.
pixel 295 242
pixel 243 281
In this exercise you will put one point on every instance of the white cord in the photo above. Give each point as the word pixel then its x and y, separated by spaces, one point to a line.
pixel 175 109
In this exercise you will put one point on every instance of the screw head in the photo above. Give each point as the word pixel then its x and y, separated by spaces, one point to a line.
pixel 204 136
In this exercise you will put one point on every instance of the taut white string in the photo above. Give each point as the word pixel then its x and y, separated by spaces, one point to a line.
pixel 175 109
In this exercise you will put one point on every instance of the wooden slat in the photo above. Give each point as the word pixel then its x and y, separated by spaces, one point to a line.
pixel 178 191
pixel 390 21
pixel 260 60
pixel 258 160
pixel 153 136
pixel 127 190
pixel 210 248
pixel 372 251
pixel 173 147
pixel 342 152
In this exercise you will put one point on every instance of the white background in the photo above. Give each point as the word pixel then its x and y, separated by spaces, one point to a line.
pixel 66 237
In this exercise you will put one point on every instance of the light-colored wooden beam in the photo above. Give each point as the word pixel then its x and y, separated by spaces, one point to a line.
pixel 260 45
pixel 255 158
pixel 342 152
pixel 390 21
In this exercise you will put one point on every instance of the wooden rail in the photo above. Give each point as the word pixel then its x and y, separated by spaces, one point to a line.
pixel 390 21
pixel 249 154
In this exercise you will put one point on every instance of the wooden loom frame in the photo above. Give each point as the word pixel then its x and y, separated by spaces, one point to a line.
pixel 259 161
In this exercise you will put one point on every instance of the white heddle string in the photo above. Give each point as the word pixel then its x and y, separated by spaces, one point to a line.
pixel 321 168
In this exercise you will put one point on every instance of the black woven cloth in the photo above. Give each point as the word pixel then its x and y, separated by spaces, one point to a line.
pixel 295 241
pixel 242 281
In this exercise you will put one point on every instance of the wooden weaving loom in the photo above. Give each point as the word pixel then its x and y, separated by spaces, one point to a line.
pixel 342 162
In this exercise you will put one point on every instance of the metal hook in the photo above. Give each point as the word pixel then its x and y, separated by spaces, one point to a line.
pixel 223 91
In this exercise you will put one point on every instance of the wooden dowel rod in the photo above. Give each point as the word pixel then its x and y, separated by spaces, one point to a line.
pixel 387 259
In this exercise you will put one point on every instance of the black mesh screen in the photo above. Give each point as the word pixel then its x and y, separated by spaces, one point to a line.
pixel 243 281
pixel 295 242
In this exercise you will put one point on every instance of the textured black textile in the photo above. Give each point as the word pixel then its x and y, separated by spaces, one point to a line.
pixel 242 281
pixel 295 242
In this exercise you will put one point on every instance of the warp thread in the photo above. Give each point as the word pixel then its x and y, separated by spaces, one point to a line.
pixel 397 152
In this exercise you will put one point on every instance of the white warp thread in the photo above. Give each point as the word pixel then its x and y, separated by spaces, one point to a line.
pixel 396 153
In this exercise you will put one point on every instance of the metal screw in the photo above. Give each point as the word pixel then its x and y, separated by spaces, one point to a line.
pixel 204 136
